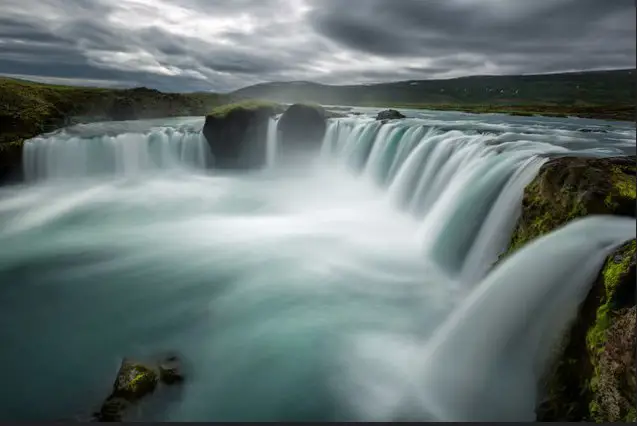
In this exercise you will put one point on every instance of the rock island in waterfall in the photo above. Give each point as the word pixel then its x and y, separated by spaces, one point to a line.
pixel 318 210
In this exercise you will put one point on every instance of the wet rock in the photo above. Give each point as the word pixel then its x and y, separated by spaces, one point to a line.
pixel 592 130
pixel 170 371
pixel 135 381
pixel 389 114
pixel 570 187
pixel 11 163
pixel 301 127
pixel 590 379
pixel 237 134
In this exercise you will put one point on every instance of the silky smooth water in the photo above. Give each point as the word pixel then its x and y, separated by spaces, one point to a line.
pixel 355 286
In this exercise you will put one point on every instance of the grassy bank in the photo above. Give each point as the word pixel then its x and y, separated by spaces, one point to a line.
pixel 601 112
pixel 28 108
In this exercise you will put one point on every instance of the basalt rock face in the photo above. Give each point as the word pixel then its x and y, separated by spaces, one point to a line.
pixel 237 137
pixel 593 379
pixel 389 114
pixel 11 163
pixel 301 128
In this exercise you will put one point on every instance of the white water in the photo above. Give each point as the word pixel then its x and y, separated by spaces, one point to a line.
pixel 355 288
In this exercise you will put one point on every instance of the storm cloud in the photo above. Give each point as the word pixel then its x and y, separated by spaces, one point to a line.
pixel 222 45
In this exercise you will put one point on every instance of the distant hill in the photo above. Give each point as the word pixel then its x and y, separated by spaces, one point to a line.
pixel 615 87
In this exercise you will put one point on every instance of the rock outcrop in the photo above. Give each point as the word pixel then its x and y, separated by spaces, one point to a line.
pixel 389 114
pixel 594 378
pixel 11 163
pixel 301 127
pixel 237 134
pixel 135 381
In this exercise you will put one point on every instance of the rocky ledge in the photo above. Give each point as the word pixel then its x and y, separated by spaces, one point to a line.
pixel 594 378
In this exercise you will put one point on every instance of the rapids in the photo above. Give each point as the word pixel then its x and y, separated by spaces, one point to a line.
pixel 356 286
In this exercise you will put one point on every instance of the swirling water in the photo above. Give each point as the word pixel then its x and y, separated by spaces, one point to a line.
pixel 356 286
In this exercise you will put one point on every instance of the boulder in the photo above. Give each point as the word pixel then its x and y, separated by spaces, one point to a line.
pixel 301 127
pixel 389 114
pixel 134 381
pixel 237 135
pixel 593 378
pixel 11 162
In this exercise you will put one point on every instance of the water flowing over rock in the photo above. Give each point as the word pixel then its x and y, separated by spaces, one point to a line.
pixel 581 385
pixel 237 136
pixel 389 114
pixel 301 128
pixel 356 287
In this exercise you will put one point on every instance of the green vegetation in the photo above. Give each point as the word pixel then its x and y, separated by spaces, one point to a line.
pixel 568 188
pixel 594 376
pixel 611 342
pixel 598 94
pixel 134 381
pixel 28 108
pixel 252 105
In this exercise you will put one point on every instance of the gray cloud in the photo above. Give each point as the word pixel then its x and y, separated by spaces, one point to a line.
pixel 220 45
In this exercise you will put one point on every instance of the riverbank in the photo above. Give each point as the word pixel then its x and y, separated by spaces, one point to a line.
pixel 598 112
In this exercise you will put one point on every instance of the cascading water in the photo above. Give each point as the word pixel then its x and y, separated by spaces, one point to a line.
pixel 77 154
pixel 358 288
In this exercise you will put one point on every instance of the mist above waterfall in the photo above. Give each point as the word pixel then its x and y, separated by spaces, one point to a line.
pixel 356 286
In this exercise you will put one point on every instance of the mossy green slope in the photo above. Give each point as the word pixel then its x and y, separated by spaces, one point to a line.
pixel 594 379
pixel 222 111
pixel 28 109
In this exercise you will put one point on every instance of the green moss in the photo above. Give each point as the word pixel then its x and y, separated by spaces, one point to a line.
pixel 611 276
pixel 250 105
pixel 134 381
pixel 28 108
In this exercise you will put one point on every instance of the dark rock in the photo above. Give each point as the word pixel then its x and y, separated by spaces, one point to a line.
pixel 237 137
pixel 334 114
pixel 170 371
pixel 592 130
pixel 11 163
pixel 389 114
pixel 134 381
pixel 301 127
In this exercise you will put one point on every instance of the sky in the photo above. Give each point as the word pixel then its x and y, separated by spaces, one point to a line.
pixel 223 45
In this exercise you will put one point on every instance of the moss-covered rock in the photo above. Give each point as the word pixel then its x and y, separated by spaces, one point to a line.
pixel 570 187
pixel 237 133
pixel 301 127
pixel 134 381
pixel 594 378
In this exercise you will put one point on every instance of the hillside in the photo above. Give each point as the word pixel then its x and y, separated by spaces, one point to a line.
pixel 603 94
pixel 28 108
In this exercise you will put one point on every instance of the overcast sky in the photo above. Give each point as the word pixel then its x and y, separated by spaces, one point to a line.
pixel 222 45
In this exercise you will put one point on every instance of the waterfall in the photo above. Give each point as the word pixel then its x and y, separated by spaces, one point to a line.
pixel 484 362
pixel 357 286
pixel 461 187
pixel 68 154
pixel 271 143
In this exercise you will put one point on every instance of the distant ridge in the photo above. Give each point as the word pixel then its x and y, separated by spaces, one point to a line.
pixel 614 87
